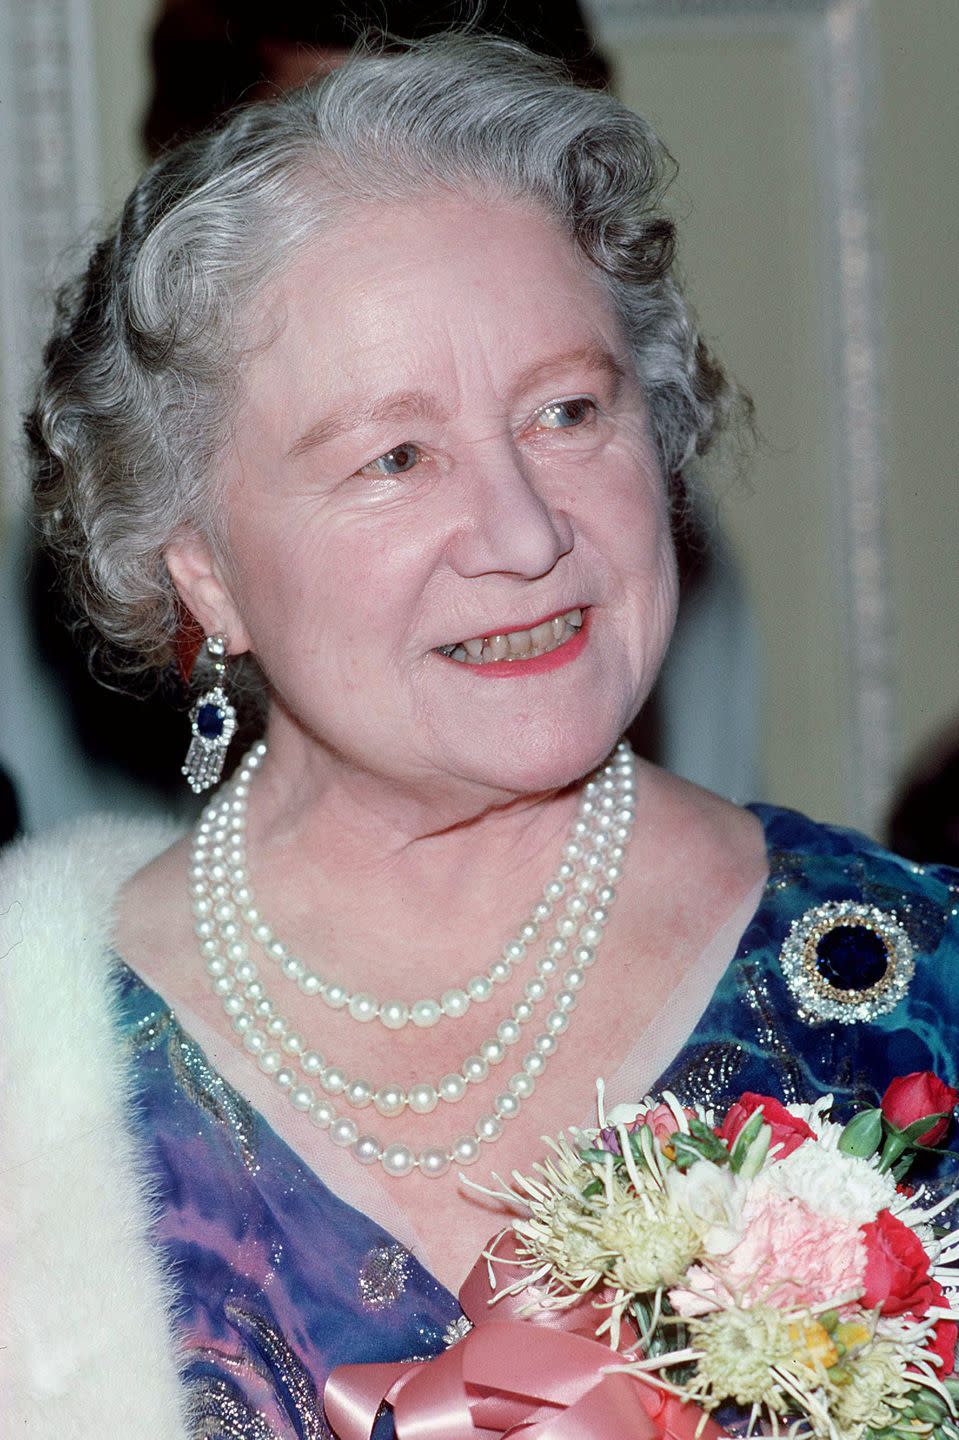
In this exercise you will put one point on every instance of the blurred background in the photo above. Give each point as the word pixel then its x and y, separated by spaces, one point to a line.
pixel 817 663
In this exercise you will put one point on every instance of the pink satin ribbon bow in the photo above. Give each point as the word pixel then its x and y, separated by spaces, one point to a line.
pixel 538 1378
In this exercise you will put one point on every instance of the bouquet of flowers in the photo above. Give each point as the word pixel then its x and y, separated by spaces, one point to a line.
pixel 771 1258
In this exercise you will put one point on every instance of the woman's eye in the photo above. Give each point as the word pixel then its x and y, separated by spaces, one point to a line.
pixel 563 414
pixel 395 462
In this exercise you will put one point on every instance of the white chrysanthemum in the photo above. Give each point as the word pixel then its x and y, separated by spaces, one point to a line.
pixel 649 1243
pixel 832 1184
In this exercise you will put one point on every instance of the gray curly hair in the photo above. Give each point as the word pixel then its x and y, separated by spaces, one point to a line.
pixel 142 370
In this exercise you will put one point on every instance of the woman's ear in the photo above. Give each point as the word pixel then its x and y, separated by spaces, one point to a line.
pixel 201 584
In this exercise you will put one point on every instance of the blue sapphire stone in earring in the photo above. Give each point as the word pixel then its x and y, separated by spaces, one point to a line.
pixel 847 961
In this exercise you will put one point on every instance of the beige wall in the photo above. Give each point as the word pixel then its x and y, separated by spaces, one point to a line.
pixel 739 114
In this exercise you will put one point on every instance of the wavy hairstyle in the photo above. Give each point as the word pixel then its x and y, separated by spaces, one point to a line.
pixel 141 373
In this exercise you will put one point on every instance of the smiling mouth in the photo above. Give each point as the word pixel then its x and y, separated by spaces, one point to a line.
pixel 516 644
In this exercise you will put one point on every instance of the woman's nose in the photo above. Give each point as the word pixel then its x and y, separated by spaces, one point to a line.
pixel 507 525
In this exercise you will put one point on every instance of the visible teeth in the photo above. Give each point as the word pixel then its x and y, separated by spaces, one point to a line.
pixel 517 644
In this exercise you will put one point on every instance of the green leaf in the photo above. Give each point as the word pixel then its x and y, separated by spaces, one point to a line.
pixel 590 1155
pixel 863 1135
pixel 744 1140
pixel 595 1187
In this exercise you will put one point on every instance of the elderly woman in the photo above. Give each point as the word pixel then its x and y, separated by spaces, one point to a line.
pixel 386 386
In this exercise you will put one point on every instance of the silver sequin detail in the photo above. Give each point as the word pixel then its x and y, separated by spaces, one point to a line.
pixel 219 1412
pixel 383 1276
pixel 818 1000
pixel 456 1331
pixel 201 1083
pixel 296 1385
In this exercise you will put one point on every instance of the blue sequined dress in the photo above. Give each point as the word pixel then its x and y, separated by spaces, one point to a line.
pixel 280 1280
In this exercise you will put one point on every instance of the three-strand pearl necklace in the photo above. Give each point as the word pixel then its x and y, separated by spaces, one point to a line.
pixel 571 914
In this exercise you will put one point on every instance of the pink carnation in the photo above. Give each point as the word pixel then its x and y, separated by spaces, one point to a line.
pixel 788 1256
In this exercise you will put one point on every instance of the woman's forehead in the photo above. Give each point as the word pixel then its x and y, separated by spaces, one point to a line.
pixel 400 293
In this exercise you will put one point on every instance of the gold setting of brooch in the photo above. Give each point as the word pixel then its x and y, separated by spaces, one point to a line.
pixel 847 961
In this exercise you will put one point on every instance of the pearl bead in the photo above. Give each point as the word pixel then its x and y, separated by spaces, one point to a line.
pixel 599 915
pixel 292 1044
pixel 514 950
pixel 359 1093
pixel 452 1087
pixel 584 955
pixel 493 1051
pixel 309 983
pixel 343 1132
pixel 422 1099
pixel 574 978
pixel 397 1160
pixel 237 951
pixel 529 932
pixel 216 966
pixel 576 905
pixel 480 988
pixel 557 1022
pixel 263 1008
pixel 534 1064
pixel 270 1061
pixel 394 1014
pixel 565 871
pixel 293 968
pixel 204 929
pixel 278 950
pixel 466 1150
pixel 390 1100
pixel 323 1114
pixel 454 1003
pixel 334 1080
pixel 210 951
pixel 475 1069
pixel 542 910
pixel 367 1149
pixel 312 1062
pixel 336 996
pixel 285 1078
pixel 262 933
pixel 547 966
pixel 363 1007
pixel 605 895
pixel 489 1128
pixel 591 935
pixel 254 991
pixel 276 1027
pixel 223 985
pixel 521 1085
pixel 234 1004
pixel 553 889
pixel 545 1044
pixel 506 1106
pixel 425 1013
pixel 302 1097
pixel 566 925
pixel 534 990
pixel 522 1012
pixel 557 947
pixel 500 971
pixel 433 1162
pixel 565 1000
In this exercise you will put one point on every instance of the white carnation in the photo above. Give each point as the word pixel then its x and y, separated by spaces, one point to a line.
pixel 832 1184
pixel 710 1199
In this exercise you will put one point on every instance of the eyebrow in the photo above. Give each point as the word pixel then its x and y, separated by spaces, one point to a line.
pixel 409 403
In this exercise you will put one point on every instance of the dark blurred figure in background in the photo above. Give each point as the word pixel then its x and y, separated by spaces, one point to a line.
pixel 209 55
pixel 924 824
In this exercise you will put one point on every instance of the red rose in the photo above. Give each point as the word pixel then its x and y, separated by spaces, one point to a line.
pixel 788 1130
pixel 943 1340
pixel 897 1269
pixel 912 1097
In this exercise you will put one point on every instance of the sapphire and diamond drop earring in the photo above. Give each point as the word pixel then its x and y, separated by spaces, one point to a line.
pixel 213 723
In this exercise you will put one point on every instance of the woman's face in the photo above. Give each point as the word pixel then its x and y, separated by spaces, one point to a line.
pixel 445 443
